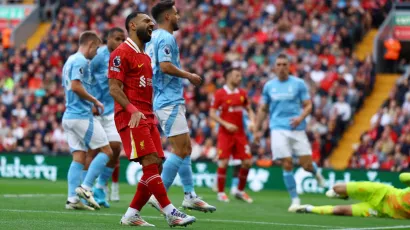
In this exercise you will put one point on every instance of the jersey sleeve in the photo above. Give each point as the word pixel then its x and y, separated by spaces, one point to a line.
pixel 164 52
pixel 78 69
pixel 117 65
pixel 217 100
pixel 303 92
pixel 265 99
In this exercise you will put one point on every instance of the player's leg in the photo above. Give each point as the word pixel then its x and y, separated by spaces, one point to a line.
pixel 236 164
pixel 115 187
pixel 132 215
pixel 78 149
pixel 169 118
pixel 226 146
pixel 100 189
pixel 243 153
pixel 176 129
pixel 281 150
pixel 301 147
pixel 360 210
pixel 150 158
pixel 114 139
pixel 95 139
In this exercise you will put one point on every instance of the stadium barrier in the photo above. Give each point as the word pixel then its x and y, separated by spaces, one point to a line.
pixel 53 168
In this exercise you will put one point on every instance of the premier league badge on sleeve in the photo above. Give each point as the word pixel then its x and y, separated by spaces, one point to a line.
pixel 117 61
pixel 167 50
pixel 81 71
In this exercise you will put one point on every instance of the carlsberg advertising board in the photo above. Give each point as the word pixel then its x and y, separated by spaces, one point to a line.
pixel 28 166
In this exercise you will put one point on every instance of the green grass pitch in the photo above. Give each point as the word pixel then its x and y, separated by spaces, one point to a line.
pixel 38 204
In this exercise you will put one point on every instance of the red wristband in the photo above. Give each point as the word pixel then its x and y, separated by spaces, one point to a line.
pixel 131 108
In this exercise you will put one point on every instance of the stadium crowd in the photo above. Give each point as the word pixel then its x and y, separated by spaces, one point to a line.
pixel 387 144
pixel 318 36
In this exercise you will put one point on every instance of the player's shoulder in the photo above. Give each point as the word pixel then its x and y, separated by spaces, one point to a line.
pixel 78 59
pixel 102 50
pixel 296 79
pixel 163 35
pixel 122 50
pixel 220 92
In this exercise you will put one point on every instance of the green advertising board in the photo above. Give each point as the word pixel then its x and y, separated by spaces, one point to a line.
pixel 14 12
pixel 55 168
pixel 402 20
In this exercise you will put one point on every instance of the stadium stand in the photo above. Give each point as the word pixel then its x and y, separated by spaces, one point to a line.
pixel 318 36
pixel 386 145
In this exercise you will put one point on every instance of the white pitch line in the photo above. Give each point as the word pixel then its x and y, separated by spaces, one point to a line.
pixel 371 228
pixel 31 195
pixel 157 217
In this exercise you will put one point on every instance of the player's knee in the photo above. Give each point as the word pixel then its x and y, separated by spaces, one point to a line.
pixel 151 159
pixel 223 163
pixel 342 210
pixel 339 188
pixel 247 163
pixel 116 149
pixel 287 164
pixel 307 166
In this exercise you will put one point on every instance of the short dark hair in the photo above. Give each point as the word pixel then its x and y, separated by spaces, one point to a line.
pixel 230 70
pixel 113 30
pixel 130 17
pixel 160 8
pixel 88 36
pixel 283 56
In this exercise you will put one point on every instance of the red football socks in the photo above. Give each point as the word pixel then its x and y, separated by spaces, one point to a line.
pixel 141 197
pixel 221 174
pixel 115 173
pixel 155 185
pixel 243 175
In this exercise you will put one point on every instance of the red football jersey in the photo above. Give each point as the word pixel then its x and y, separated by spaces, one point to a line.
pixel 231 104
pixel 133 67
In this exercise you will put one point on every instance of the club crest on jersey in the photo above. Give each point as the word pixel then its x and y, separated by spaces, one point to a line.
pixel 242 99
pixel 117 61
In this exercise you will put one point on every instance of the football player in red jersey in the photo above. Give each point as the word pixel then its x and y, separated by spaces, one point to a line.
pixel 130 81
pixel 232 141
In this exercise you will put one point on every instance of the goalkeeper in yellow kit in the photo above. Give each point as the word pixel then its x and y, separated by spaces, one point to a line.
pixel 378 200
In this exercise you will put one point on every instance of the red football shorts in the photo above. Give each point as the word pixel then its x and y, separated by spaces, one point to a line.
pixel 141 141
pixel 235 145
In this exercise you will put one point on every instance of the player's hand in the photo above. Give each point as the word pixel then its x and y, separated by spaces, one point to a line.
pixel 231 127
pixel 257 137
pixel 295 122
pixel 251 127
pixel 135 119
pixel 99 107
pixel 195 79
pixel 95 111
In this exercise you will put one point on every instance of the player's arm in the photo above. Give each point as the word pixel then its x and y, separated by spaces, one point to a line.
pixel 306 103
pixel 262 111
pixel 251 115
pixel 116 76
pixel 166 66
pixel 77 87
pixel 405 178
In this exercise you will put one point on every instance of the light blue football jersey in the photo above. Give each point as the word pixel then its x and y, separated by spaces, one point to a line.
pixel 285 101
pixel 168 90
pixel 77 67
pixel 99 71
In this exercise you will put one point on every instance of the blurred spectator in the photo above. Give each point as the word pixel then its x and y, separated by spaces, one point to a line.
pixel 318 36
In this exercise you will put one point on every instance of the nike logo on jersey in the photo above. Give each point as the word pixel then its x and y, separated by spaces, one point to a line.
pixel 139 66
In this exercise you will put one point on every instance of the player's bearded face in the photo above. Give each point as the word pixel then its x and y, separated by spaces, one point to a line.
pixel 144 33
